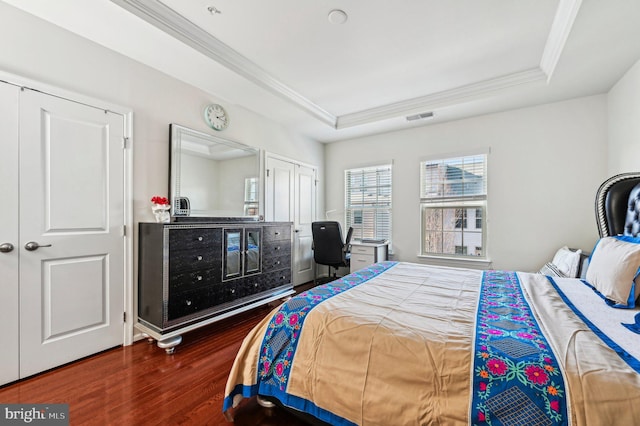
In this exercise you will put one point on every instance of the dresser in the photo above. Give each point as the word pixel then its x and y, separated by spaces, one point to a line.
pixel 193 274
pixel 364 254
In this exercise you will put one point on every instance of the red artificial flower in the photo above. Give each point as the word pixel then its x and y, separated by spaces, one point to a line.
pixel 159 200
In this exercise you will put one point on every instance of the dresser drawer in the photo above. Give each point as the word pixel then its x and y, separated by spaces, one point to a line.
pixel 276 248
pixel 226 292
pixel 186 280
pixel 363 255
pixel 276 233
pixel 362 250
pixel 189 260
pixel 188 302
pixel 275 262
pixel 276 278
pixel 196 238
pixel 360 261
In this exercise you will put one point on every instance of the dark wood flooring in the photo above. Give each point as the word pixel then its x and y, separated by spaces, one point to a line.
pixel 141 385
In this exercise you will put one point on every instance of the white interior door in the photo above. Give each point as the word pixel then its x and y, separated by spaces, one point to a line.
pixel 280 190
pixel 290 196
pixel 9 258
pixel 72 206
pixel 305 207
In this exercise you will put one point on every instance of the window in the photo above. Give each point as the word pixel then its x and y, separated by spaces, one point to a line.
pixel 251 196
pixel 461 249
pixel 368 202
pixel 453 197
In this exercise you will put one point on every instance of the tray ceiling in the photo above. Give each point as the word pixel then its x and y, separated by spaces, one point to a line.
pixel 284 59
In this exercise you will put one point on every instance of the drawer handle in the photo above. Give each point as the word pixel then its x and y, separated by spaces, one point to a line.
pixel 233 290
pixel 255 284
pixel 199 257
pixel 200 238
pixel 278 262
pixel 283 277
pixel 199 277
pixel 277 233
pixel 188 302
pixel 277 248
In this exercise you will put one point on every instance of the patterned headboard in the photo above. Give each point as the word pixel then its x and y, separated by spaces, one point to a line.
pixel 618 205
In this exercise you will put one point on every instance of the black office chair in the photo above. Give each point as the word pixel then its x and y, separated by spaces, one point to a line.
pixel 329 248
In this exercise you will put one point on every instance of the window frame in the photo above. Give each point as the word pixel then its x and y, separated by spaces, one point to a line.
pixel 352 210
pixel 431 199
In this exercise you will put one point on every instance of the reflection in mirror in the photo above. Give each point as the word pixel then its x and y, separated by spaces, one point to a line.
pixel 251 196
pixel 233 253
pixel 252 262
pixel 212 176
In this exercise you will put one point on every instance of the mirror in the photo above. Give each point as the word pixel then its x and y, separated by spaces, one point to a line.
pixel 212 176
pixel 252 250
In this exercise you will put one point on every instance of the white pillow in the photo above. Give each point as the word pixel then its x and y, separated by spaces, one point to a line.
pixel 551 270
pixel 613 271
pixel 567 261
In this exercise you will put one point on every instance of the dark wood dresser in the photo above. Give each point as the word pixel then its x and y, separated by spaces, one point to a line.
pixel 193 274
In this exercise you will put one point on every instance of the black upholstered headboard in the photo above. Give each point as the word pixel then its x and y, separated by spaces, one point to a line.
pixel 618 205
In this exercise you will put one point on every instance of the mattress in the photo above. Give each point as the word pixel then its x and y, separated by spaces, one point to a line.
pixel 407 344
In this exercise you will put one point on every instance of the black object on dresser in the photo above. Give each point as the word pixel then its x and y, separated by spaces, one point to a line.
pixel 192 274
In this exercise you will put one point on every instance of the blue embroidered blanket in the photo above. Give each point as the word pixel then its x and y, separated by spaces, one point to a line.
pixel 517 379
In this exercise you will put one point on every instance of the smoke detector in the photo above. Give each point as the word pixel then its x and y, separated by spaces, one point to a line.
pixel 337 16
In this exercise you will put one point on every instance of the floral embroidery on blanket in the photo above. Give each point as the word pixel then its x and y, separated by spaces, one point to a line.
pixel 517 379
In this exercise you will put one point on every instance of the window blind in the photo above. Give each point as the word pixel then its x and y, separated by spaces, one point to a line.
pixel 368 202
pixel 454 178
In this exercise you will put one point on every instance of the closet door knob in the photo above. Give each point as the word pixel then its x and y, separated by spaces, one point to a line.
pixel 32 245
pixel 6 247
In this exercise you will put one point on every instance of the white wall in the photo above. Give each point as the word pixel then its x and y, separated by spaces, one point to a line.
pixel 624 123
pixel 38 50
pixel 545 165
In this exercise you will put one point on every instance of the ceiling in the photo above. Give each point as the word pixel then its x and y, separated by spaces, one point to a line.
pixel 285 60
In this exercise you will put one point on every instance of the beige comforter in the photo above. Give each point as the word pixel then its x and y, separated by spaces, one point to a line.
pixel 398 350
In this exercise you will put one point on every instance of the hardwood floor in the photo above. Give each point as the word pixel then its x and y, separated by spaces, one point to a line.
pixel 141 385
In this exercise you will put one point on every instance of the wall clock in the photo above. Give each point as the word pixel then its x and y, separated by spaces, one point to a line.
pixel 216 117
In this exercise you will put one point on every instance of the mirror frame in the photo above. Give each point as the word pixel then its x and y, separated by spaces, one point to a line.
pixel 176 131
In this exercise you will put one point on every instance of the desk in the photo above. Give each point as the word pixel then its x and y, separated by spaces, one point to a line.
pixel 365 254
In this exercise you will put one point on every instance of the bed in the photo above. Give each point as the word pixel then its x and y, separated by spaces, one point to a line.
pixel 409 344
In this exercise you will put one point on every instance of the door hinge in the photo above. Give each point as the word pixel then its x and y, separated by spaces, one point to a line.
pixel 124 230
pixel 267 172
pixel 124 317
pixel 125 142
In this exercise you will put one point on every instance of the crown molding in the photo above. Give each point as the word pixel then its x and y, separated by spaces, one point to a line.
pixel 560 28
pixel 440 99
pixel 166 19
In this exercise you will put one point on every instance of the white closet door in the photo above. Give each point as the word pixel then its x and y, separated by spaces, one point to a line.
pixel 280 190
pixel 290 196
pixel 305 206
pixel 9 363
pixel 72 205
